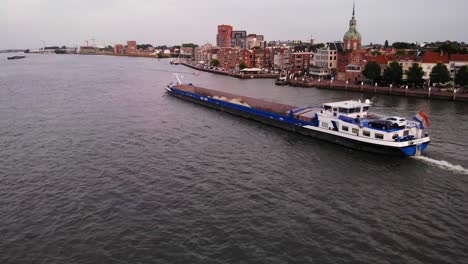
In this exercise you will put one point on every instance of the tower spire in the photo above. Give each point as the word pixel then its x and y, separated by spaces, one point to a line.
pixel 354 3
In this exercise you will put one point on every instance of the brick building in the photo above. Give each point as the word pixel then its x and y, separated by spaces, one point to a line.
pixel 131 46
pixel 300 61
pixel 223 38
pixel 247 57
pixel 119 49
pixel 228 58
pixel 263 58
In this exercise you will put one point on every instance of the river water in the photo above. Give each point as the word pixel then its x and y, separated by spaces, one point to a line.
pixel 99 165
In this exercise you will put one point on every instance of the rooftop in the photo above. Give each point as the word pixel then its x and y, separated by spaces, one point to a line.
pixel 459 57
pixel 435 57
pixel 347 104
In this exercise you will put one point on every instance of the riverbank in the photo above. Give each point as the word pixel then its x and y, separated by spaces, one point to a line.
pixel 433 93
pixel 232 74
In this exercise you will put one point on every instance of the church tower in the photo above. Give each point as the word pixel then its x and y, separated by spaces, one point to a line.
pixel 352 38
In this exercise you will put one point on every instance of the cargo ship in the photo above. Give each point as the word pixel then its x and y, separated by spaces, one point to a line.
pixel 347 123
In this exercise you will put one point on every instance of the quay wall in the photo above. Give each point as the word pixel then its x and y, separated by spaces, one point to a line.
pixel 435 93
pixel 236 75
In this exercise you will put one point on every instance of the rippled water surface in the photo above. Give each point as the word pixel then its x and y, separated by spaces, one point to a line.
pixel 98 165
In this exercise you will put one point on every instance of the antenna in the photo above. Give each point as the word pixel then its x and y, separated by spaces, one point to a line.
pixel 177 75
pixel 312 38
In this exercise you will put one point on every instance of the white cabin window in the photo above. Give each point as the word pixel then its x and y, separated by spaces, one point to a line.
pixel 355 131
pixel 344 128
pixel 325 124
pixel 366 133
pixel 378 136
pixel 406 132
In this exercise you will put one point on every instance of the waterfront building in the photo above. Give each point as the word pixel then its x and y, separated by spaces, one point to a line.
pixel 203 53
pixel 456 62
pixel 281 58
pixel 187 51
pixel 262 58
pixel 327 57
pixel 300 61
pixel 246 56
pixel 355 59
pixel 87 50
pixel 223 38
pixel 228 58
pixel 430 59
pixel 131 46
pixel 381 59
pixel 214 52
pixel 239 39
pixel 406 62
pixel 119 49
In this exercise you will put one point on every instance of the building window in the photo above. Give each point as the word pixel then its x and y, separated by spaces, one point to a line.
pixel 366 133
pixel 378 136
pixel 344 128
pixel 330 64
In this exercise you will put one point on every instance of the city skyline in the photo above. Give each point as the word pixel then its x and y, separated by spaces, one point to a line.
pixel 114 21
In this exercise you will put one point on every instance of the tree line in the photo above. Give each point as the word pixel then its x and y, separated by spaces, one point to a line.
pixel 393 73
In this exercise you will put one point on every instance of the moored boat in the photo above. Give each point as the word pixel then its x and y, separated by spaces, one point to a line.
pixel 348 123
pixel 282 80
pixel 16 57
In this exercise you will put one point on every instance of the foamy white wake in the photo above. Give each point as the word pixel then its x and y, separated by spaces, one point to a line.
pixel 443 164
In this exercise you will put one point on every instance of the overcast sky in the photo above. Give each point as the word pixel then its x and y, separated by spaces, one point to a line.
pixel 29 23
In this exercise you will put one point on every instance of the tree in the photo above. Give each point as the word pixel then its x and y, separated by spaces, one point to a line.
pixel 461 77
pixel 189 45
pixel 404 45
pixel 242 65
pixel 393 72
pixel 215 62
pixel 371 71
pixel 400 52
pixel 415 74
pixel 450 47
pixel 386 44
pixel 144 46
pixel 440 73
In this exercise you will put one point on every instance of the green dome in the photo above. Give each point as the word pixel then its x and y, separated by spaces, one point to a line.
pixel 352 34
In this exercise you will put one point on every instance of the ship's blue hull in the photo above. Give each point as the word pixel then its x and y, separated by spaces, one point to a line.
pixel 293 124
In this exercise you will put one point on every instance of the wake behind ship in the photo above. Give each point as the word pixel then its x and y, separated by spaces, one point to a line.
pixel 347 123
